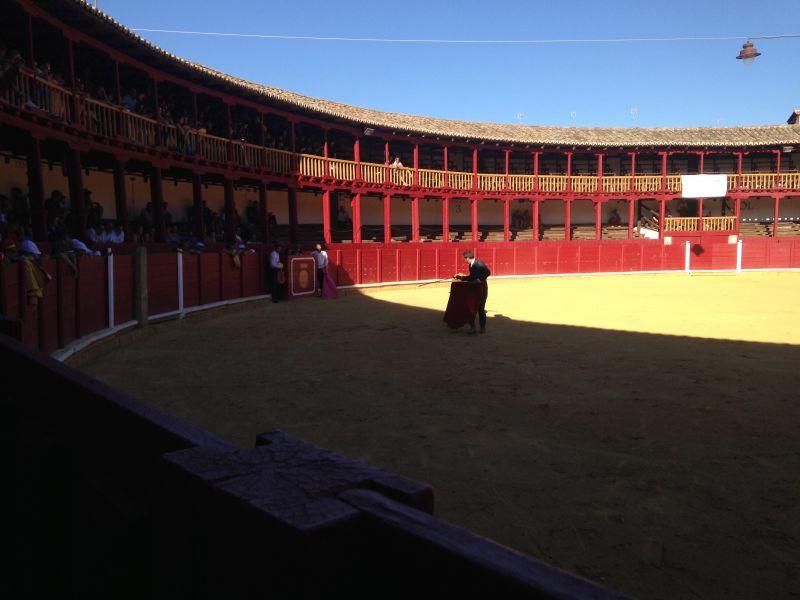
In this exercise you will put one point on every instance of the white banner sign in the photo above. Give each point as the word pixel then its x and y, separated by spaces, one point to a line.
pixel 704 186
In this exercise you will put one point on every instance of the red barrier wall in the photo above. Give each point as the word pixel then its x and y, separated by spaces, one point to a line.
pixel 162 283
pixel 91 297
pixel 209 278
pixel 123 288
pixel 231 277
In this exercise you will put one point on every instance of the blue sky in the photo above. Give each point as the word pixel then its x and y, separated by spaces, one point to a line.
pixel 669 83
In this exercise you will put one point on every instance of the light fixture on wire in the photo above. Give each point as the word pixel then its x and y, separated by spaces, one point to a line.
pixel 748 53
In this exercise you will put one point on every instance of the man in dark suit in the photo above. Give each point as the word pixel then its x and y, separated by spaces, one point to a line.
pixel 478 274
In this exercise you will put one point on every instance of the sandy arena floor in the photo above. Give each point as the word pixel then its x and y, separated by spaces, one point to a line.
pixel 643 431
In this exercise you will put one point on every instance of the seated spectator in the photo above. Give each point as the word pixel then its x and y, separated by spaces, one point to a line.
pixel 614 218
pixel 173 237
pixel 93 235
pixel 28 248
pixel 107 233
pixel 81 249
pixel 118 235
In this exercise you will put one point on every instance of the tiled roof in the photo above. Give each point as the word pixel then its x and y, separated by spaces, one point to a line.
pixel 709 137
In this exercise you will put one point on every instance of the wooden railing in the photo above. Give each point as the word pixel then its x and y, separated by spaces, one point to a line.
pixel 719 223
pixel 344 170
pixel 213 148
pixel 674 183
pixel 97 117
pixel 552 183
pixel 101 118
pixel 139 129
pixel 460 180
pixel 312 166
pixel 584 183
pixel 521 183
pixel 401 175
pixel 373 173
pixel 616 183
pixel 278 161
pixel 647 183
pixel 431 179
pixel 491 183
pixel 758 181
pixel 680 223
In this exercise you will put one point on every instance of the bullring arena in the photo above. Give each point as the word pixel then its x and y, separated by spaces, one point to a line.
pixel 638 430
pixel 183 418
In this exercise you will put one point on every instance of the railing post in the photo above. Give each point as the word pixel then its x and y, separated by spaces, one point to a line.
pixel 738 256
pixel 474 168
pixel 687 257
pixel 110 289
pixel 180 282
pixel 140 293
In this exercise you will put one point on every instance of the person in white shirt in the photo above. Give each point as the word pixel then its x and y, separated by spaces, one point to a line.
pixel 117 236
pixel 321 258
pixel 275 267
pixel 397 164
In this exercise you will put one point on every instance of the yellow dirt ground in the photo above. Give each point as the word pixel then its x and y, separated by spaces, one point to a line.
pixel 639 430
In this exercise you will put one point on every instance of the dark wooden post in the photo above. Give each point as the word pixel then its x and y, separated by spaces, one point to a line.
pixel 120 196
pixel 263 213
pixel 293 214
pixel 140 294
pixel 326 216
pixel 198 207
pixel 230 214
pixel 36 190
pixel 157 203
pixel 387 219
pixel 76 192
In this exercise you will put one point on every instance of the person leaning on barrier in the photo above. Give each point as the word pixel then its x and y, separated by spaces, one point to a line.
pixel 478 275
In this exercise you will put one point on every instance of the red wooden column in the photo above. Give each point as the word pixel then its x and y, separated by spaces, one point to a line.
pixel 292 214
pixel 568 219
pixel 776 215
pixel 446 219
pixel 387 219
pixel 662 213
pixel 230 211
pixel 386 179
pixel 633 171
pixel 569 171
pixel 75 176
pixel 737 211
pixel 263 212
pixel 355 203
pixel 738 170
pixel 598 223
pixel 663 171
pixel 446 169
pixel 326 216
pixel 600 172
pixel 325 153
pixel 778 181
pixel 473 209
pixel 474 168
pixel 699 214
pixel 36 190
pixel 415 219
pixel 535 220
pixel 357 157
pixel 508 179
pixel 416 164
pixel 120 196
pixel 536 171
pixel 631 207
pixel 157 203
pixel 506 220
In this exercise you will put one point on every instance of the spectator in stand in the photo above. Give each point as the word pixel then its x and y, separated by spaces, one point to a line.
pixel 81 249
pixel 93 235
pixel 138 236
pixel 107 233
pixel 118 236
pixel 173 237
pixel 10 63
pixel 56 206
pixel 614 218
pixel 129 100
